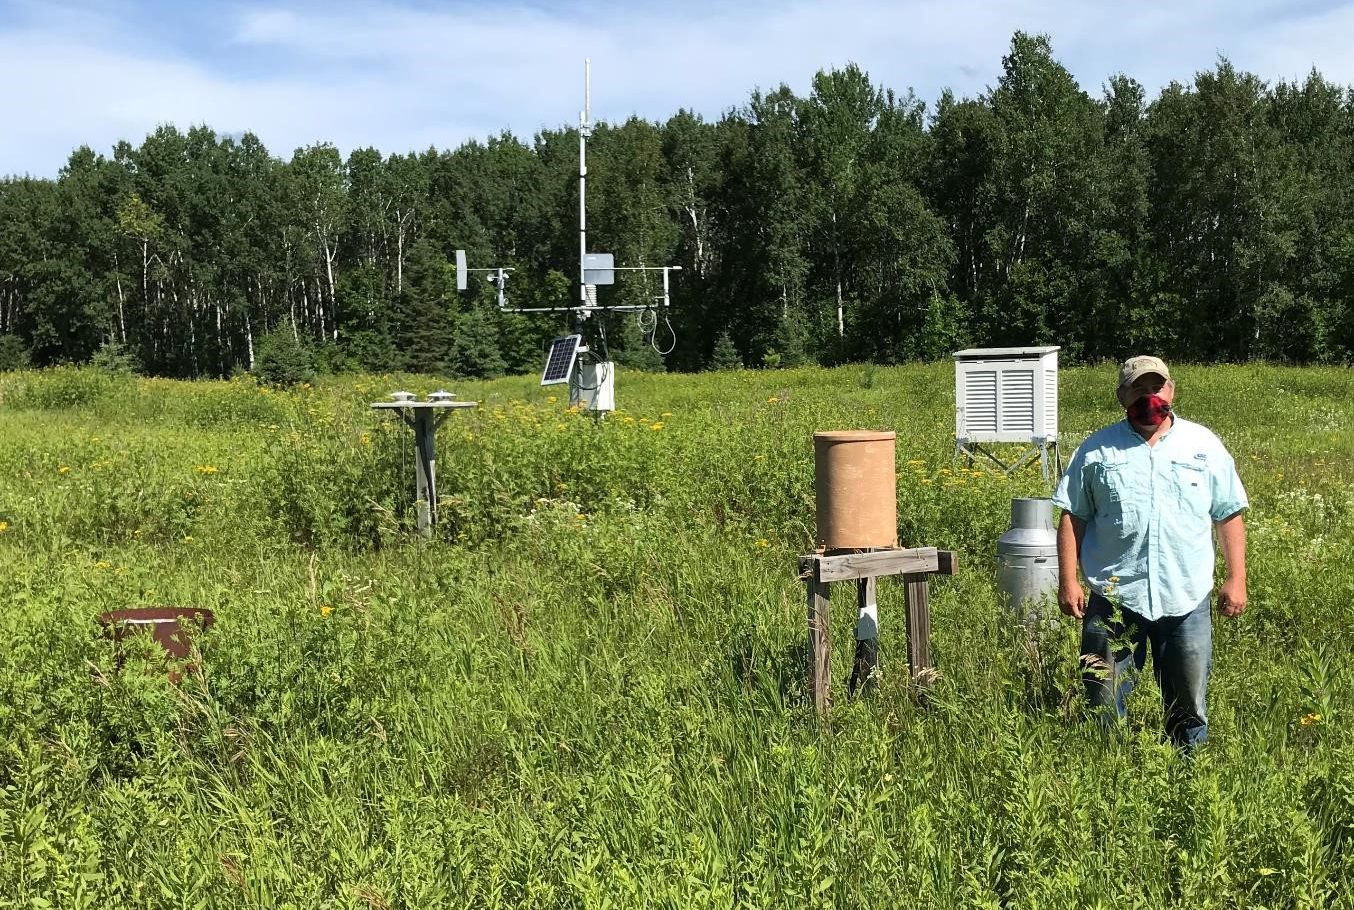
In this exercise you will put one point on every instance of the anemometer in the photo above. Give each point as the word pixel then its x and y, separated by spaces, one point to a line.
pixel 581 358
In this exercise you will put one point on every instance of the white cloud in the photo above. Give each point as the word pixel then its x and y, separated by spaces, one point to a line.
pixel 406 77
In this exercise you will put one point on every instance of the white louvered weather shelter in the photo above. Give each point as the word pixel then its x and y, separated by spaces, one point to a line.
pixel 1007 395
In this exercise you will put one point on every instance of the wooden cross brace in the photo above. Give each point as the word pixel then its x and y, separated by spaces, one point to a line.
pixel 916 565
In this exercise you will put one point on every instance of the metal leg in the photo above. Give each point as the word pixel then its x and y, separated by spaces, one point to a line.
pixel 863 669
pixel 1023 460
pixel 978 449
pixel 425 478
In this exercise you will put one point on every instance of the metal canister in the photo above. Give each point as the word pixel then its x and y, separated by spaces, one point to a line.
pixel 1027 562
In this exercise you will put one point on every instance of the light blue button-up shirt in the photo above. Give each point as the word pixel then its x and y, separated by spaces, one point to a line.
pixel 1149 513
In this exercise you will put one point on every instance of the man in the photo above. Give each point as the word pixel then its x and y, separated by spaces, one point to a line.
pixel 1140 501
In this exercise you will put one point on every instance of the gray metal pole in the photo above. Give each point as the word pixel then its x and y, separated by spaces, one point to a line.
pixel 425 479
pixel 584 129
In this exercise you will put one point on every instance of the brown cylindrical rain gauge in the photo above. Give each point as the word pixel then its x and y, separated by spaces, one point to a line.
pixel 857 489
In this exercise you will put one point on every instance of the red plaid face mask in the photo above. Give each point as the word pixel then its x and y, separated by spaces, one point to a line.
pixel 1149 411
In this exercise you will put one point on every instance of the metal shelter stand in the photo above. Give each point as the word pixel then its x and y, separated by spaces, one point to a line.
pixel 420 418
pixel 1046 450
pixel 916 565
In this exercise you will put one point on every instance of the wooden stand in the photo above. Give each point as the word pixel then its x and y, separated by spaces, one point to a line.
pixel 916 565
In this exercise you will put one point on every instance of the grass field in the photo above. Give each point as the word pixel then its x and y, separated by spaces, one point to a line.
pixel 587 690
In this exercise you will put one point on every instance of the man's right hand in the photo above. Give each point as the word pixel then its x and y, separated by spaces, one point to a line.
pixel 1071 596
pixel 1072 599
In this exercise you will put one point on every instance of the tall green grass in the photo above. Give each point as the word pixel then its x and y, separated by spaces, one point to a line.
pixel 587 689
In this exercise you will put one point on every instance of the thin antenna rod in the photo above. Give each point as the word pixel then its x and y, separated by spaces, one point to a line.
pixel 584 130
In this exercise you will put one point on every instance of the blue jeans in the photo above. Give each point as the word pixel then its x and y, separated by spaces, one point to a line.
pixel 1114 651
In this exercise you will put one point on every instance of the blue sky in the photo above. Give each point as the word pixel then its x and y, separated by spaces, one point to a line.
pixel 404 75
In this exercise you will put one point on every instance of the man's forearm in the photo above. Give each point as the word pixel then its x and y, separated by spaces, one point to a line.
pixel 1232 537
pixel 1070 530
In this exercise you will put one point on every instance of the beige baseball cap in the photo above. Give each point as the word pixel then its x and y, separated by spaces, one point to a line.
pixel 1135 367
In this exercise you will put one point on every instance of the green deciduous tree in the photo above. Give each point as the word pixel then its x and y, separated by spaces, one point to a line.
pixel 1212 221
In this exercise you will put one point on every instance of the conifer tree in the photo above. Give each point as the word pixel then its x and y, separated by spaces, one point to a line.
pixel 725 355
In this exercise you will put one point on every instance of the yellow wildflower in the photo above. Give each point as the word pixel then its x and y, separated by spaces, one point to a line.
pixel 1309 719
pixel 666 414
pixel 103 565
pixel 552 399
pixel 206 469
pixel 656 426
pixel 762 542
pixel 64 469
pixel 325 609
pixel 627 419
pixel 4 526
pixel 366 439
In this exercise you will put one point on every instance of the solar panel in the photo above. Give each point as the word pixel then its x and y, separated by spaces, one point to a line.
pixel 559 364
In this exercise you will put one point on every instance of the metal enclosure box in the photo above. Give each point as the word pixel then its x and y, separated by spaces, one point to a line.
pixel 1006 394
pixel 599 268
pixel 594 389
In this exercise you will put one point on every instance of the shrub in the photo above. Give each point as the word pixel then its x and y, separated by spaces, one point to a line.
pixel 115 358
pixel 13 354
pixel 282 360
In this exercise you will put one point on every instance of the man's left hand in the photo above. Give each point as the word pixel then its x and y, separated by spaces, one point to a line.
pixel 1232 597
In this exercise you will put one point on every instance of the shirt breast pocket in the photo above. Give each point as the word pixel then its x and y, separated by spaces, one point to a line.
pixel 1110 488
pixel 1191 487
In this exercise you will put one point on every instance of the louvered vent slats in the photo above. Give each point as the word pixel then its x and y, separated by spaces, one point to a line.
pixel 980 401
pixel 1015 399
pixel 1006 394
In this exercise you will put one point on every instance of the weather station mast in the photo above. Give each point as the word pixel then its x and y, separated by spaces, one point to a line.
pixel 581 357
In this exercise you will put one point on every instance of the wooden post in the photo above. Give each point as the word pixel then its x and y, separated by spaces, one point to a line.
pixel 820 644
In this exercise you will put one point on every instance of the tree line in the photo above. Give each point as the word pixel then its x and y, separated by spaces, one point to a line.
pixel 1212 223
